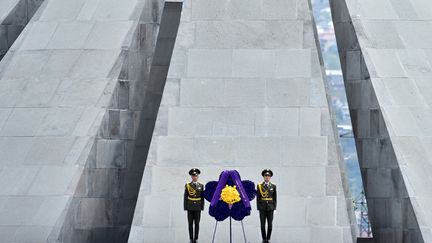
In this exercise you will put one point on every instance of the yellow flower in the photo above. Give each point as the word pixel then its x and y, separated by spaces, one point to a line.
pixel 230 195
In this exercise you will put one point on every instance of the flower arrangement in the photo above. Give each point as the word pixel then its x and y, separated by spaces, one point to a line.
pixel 230 195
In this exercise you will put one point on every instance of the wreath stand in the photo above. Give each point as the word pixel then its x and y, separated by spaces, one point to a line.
pixel 244 235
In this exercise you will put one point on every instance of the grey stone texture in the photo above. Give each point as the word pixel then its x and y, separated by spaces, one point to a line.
pixel 385 54
pixel 78 102
pixel 14 16
pixel 245 91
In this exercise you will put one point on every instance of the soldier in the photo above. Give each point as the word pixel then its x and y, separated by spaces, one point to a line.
pixel 194 203
pixel 266 203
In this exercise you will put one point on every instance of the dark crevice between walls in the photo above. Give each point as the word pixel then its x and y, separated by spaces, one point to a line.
pixel 326 40
pixel 390 209
pixel 103 204
pixel 342 166
pixel 16 20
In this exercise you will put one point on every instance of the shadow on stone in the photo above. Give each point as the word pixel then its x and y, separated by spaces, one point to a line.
pixel 14 23
pixel 390 208
pixel 103 205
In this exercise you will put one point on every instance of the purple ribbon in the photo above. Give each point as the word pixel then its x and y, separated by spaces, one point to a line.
pixel 221 185
pixel 236 178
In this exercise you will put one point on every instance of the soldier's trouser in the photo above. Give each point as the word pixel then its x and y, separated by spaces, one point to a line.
pixel 193 217
pixel 266 215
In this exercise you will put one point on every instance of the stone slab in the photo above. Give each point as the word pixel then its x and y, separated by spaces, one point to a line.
pixel 245 98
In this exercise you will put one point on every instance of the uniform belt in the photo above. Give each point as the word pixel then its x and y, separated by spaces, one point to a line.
pixel 267 199
pixel 194 199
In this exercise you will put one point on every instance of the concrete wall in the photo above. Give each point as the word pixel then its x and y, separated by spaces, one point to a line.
pixel 386 62
pixel 73 90
pixel 14 16
pixel 245 91
pixel 104 201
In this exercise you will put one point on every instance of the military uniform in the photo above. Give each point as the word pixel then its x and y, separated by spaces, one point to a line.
pixel 266 204
pixel 194 204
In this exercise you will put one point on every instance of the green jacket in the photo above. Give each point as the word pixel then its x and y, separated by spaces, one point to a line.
pixel 194 197
pixel 266 197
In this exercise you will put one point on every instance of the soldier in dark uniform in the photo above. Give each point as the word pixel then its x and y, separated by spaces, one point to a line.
pixel 194 203
pixel 266 203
